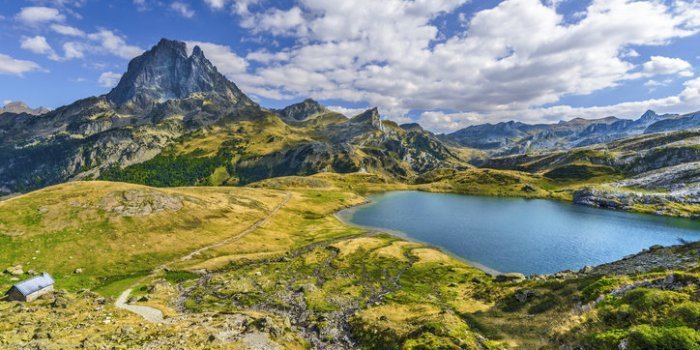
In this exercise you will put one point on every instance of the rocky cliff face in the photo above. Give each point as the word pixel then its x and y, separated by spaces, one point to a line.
pixel 166 73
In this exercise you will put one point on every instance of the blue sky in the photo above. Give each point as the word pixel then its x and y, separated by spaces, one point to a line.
pixel 443 63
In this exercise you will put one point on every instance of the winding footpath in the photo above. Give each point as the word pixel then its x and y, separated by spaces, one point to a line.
pixel 156 316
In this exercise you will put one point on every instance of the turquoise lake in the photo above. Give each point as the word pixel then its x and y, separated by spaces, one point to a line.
pixel 531 236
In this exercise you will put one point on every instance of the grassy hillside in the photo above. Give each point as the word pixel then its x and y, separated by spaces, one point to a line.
pixel 113 231
pixel 303 279
pixel 253 149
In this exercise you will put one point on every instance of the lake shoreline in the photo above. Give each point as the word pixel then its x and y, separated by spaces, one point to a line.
pixel 404 236
pixel 346 216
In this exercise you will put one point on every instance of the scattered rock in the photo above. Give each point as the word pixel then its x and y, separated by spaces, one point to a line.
pixel 510 277
pixel 141 202
pixel 308 288
pixel 655 247
pixel 15 270
pixel 78 271
pixel 42 334
pixel 523 295
pixel 528 189
pixel 586 269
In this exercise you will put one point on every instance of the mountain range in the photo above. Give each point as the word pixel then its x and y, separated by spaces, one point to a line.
pixel 174 120
pixel 516 138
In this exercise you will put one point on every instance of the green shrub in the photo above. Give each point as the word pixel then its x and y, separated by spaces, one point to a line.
pixel 650 300
pixel 645 337
pixel 609 340
pixel 602 286
pixel 175 277
pixel 544 305
pixel 688 313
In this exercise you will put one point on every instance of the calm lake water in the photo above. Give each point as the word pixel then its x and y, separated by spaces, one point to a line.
pixel 519 235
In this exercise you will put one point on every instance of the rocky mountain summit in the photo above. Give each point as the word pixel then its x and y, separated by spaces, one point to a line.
pixel 19 107
pixel 166 73
pixel 162 96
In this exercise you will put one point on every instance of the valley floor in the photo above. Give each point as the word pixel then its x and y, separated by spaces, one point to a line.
pixel 270 266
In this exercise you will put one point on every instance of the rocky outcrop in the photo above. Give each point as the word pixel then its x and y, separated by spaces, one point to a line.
pixel 657 203
pixel 654 258
pixel 140 202
pixel 678 178
pixel 369 118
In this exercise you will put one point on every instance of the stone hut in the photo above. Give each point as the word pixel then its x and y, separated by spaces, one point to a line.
pixel 30 289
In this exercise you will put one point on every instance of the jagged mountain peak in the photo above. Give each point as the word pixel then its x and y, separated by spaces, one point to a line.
pixel 370 116
pixel 649 115
pixel 166 72
pixel 302 110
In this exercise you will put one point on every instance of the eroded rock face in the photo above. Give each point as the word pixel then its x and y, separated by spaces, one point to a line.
pixel 627 200
pixel 141 202
pixel 166 72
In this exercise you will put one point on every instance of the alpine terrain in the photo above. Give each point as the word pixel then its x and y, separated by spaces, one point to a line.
pixel 176 212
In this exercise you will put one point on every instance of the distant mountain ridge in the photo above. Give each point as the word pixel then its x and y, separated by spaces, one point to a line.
pixel 19 107
pixel 515 137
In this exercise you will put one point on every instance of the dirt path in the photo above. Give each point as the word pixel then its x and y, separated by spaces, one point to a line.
pixel 248 230
pixel 149 313
pixel 154 315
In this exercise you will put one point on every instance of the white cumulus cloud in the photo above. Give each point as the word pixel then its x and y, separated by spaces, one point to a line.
pixel 67 30
pixel 38 14
pixel 109 79
pixel 36 44
pixel 182 9
pixel 659 65
pixel 505 62
pixel 12 66
pixel 109 42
